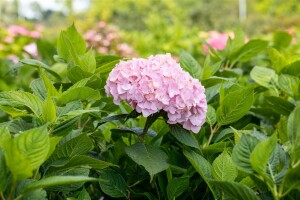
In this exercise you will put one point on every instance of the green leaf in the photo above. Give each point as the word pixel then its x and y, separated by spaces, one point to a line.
pixel 16 161
pixel 235 105
pixel 75 74
pixel 83 161
pixel 277 59
pixel 65 127
pixel 204 168
pixel 4 175
pixel 235 190
pixel 150 157
pixel 189 64
pixel 76 146
pixel 4 136
pixel 70 45
pixel 263 76
pixel 223 168
pixel 83 93
pixel 34 144
pixel 209 69
pixel 49 110
pixel 177 186
pixel 282 39
pixel 183 136
pixel 292 68
pixel 211 117
pixel 290 181
pixel 38 64
pixel 293 127
pixel 249 50
pixel 38 88
pixel 84 195
pixel 289 84
pixel 112 183
pixel 279 105
pixel 88 62
pixel 20 98
pixel 57 180
pixel 242 151
pixel 51 90
pixel 259 160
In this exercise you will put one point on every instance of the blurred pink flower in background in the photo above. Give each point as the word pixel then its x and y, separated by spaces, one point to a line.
pixel 106 39
pixel 216 40
pixel 31 49
pixel 13 58
pixel 35 34
pixel 159 83
pixel 15 30
pixel 8 39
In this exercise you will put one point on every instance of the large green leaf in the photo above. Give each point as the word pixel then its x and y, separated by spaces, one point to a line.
pixel 76 146
pixel 20 98
pixel 204 168
pixel 51 90
pixel 75 74
pixel 293 128
pixel 290 181
pixel 189 64
pixel 49 110
pixel 263 76
pixel 282 39
pixel 57 180
pixel 38 64
pixel 83 93
pixel 34 145
pixel 289 84
pixel 83 161
pixel 211 117
pixel 16 161
pixel 223 168
pixel 236 191
pixel 242 151
pixel 277 59
pixel 249 50
pixel 112 183
pixel 259 160
pixel 38 88
pixel 279 105
pixel 84 195
pixel 70 45
pixel 27 152
pixel 235 105
pixel 88 62
pixel 4 175
pixel 177 186
pixel 183 136
pixel 150 157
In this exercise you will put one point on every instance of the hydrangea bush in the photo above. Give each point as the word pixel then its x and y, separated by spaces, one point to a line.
pixel 104 127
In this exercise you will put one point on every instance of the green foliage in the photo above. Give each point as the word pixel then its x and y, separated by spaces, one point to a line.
pixel 61 137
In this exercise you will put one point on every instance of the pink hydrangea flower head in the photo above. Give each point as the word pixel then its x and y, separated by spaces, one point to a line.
pixel 159 83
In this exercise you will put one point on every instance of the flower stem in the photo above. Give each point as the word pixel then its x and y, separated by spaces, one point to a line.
pixel 212 132
pixel 2 196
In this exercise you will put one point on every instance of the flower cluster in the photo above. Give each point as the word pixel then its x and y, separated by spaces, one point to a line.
pixel 215 40
pixel 19 41
pixel 159 83
pixel 106 39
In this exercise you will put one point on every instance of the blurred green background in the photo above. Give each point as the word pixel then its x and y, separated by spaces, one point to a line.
pixel 155 26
